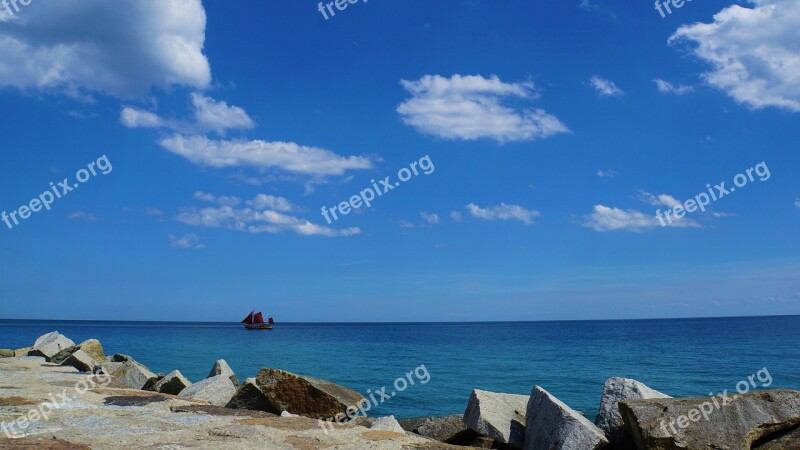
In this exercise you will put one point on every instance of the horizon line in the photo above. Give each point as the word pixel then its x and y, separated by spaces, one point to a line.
pixel 409 322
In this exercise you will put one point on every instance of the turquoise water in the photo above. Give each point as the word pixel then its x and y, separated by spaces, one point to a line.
pixel 681 357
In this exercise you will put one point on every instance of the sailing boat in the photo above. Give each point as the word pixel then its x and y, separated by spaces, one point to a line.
pixel 255 321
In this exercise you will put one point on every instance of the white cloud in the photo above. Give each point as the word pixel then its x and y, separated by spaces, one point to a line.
pixel 75 47
pixel 587 5
pixel 262 154
pixel 469 108
pixel 264 201
pixel 455 215
pixel 604 87
pixel 222 200
pixel 217 116
pixel 209 115
pixel 82 215
pixel 137 118
pixel 753 52
pixel 610 173
pixel 659 200
pixel 668 88
pixel 606 218
pixel 432 219
pixel 797 203
pixel 186 242
pixel 255 220
pixel 503 212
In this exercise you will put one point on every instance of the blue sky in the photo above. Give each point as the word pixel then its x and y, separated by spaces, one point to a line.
pixel 556 129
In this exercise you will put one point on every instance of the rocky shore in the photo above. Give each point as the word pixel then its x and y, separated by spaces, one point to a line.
pixel 57 394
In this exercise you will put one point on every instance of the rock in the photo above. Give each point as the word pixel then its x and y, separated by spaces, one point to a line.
pixel 498 416
pixel 387 424
pixel 22 351
pixel 119 357
pixel 609 420
pixel 306 396
pixel 80 360
pixel 447 429
pixel 110 367
pixel 222 368
pixel 6 353
pixel 216 390
pixel 173 383
pixel 94 349
pixel 724 421
pixel 49 344
pixel 61 356
pixel 249 396
pixel 288 414
pixel 552 424
pixel 130 373
pixel 152 382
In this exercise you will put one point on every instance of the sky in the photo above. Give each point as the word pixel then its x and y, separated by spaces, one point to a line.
pixel 541 145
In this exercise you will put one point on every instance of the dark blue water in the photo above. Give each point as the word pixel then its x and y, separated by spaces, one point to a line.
pixel 682 357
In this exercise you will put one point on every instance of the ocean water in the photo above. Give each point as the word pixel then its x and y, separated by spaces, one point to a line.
pixel 571 359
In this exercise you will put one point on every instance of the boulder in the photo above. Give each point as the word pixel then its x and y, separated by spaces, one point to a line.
pixel 249 396
pixel 130 373
pixel 552 424
pixel 387 424
pixel 216 390
pixel 222 368
pixel 759 419
pixel 61 356
pixel 498 416
pixel 152 382
pixel 110 367
pixel 94 349
pixel 288 414
pixel 306 396
pixel 609 419
pixel 119 357
pixel 80 360
pixel 6 353
pixel 447 429
pixel 173 383
pixel 22 351
pixel 50 344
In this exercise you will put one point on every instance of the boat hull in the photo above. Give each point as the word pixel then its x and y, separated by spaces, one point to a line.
pixel 257 326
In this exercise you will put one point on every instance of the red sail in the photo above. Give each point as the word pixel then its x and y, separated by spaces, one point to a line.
pixel 258 318
pixel 248 319
pixel 271 322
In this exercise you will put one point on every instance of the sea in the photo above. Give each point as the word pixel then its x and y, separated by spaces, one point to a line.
pixel 570 359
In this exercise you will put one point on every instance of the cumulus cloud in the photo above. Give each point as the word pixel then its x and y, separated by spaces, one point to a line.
pixel 605 218
pixel 287 156
pixel 797 203
pixel 469 108
pixel 658 200
pixel 221 200
pixel 209 115
pixel 431 219
pixel 604 87
pixel 265 201
pixel 503 211
pixel 666 87
pixel 610 173
pixel 753 52
pixel 73 47
pixel 255 219
pixel 137 118
pixel 217 116
pixel 189 241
